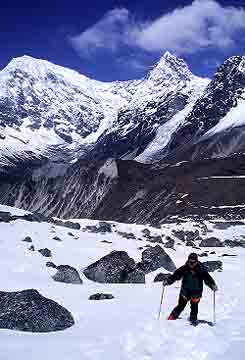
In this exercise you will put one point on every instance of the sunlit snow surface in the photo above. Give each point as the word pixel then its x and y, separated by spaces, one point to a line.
pixel 126 327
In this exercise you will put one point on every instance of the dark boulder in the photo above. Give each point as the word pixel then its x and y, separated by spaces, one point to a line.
pixel 161 277
pixel 57 238
pixel 146 232
pixel 211 266
pixel 228 255
pixel 126 235
pixel 36 217
pixel 222 225
pixel 31 248
pixel 169 244
pixel 190 235
pixel 211 242
pixel 105 227
pixel 51 264
pixel 27 239
pixel 45 252
pixel 203 254
pixel 179 234
pixel 101 296
pixel 67 274
pixel 102 227
pixel 68 224
pixel 155 257
pixel 112 268
pixel 190 243
pixel 5 216
pixel 155 239
pixel 136 276
pixel 27 310
pixel 234 243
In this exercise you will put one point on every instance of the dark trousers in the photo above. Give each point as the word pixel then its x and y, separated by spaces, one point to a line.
pixel 182 304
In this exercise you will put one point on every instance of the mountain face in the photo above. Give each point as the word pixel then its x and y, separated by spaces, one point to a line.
pixel 222 98
pixel 62 135
pixel 215 114
pixel 44 106
pixel 199 190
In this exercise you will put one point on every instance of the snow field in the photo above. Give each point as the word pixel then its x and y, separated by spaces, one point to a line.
pixel 126 327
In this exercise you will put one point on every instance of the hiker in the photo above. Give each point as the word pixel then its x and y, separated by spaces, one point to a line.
pixel 193 273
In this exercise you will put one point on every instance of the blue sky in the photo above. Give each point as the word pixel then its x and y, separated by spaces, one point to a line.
pixel 122 39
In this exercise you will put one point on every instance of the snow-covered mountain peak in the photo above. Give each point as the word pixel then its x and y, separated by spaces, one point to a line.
pixel 42 70
pixel 170 67
pixel 43 103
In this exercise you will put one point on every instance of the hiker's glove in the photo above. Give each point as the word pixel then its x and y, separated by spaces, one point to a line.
pixel 215 288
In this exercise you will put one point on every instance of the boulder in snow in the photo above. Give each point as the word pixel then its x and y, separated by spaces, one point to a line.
pixel 155 239
pixel 105 227
pixel 234 243
pixel 161 277
pixel 136 276
pixel 211 242
pixel 228 255
pixel 28 310
pixel 126 235
pixel 68 224
pixel 27 239
pixel 5 216
pixel 146 232
pixel 106 241
pixel 51 264
pixel 112 268
pixel 57 238
pixel 203 254
pixel 67 274
pixel 45 252
pixel 170 243
pixel 179 234
pixel 155 257
pixel 211 266
pixel 102 227
pixel 190 243
pixel 101 296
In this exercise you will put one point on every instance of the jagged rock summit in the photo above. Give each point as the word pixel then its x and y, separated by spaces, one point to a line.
pixel 170 68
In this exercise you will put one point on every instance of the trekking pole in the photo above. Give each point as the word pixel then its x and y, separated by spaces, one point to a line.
pixel 161 301
pixel 214 315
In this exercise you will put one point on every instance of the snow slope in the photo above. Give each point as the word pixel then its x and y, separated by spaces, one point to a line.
pixel 126 327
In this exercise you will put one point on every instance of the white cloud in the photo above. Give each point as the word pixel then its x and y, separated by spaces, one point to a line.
pixel 204 24
pixel 108 33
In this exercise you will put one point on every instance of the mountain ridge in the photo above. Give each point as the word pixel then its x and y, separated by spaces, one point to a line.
pixel 59 143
